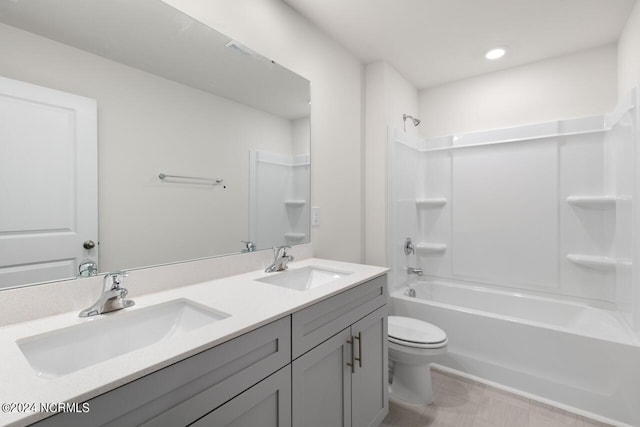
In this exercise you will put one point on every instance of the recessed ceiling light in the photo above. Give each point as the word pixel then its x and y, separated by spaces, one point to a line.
pixel 495 53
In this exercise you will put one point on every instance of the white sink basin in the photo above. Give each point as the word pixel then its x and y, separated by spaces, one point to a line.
pixel 301 279
pixel 66 350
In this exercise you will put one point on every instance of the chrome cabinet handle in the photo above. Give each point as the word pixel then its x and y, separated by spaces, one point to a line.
pixel 352 364
pixel 359 358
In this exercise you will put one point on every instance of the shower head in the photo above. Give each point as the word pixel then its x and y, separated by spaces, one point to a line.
pixel 415 121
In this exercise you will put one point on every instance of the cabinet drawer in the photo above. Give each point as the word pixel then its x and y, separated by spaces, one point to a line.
pixel 185 391
pixel 313 325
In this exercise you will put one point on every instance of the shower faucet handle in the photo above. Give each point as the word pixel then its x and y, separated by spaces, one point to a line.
pixel 408 247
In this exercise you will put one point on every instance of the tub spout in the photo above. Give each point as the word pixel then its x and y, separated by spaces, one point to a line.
pixel 413 270
pixel 410 293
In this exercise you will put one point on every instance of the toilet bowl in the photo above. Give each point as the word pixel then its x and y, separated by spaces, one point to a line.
pixel 413 344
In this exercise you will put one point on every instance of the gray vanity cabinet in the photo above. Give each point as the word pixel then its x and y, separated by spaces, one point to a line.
pixel 266 404
pixel 317 323
pixel 342 380
pixel 186 391
pixel 324 365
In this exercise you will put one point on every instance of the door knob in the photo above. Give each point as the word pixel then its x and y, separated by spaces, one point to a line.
pixel 89 244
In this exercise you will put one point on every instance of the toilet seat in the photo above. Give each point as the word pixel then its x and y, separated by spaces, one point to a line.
pixel 415 333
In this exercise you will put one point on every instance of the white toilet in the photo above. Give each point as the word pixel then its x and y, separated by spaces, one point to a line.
pixel 412 345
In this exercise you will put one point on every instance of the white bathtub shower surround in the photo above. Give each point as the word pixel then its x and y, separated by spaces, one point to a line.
pixel 575 356
pixel 544 208
pixel 526 240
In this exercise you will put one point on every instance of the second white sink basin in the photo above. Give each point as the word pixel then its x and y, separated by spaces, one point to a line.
pixel 304 278
pixel 66 350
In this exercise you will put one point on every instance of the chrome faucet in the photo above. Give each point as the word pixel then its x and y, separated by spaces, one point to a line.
pixel 112 298
pixel 280 259
pixel 248 246
pixel 413 270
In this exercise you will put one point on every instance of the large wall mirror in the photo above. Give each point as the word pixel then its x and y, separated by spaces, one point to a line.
pixel 132 135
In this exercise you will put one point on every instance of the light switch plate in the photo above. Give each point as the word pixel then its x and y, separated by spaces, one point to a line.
pixel 315 216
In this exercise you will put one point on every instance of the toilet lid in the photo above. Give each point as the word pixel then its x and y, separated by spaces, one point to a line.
pixel 414 331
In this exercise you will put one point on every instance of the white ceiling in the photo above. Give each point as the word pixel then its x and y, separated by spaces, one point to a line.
pixel 436 41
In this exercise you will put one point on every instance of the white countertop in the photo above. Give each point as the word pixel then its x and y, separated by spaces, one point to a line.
pixel 251 304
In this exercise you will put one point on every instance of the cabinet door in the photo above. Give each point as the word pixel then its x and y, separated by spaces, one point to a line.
pixel 369 389
pixel 266 404
pixel 321 385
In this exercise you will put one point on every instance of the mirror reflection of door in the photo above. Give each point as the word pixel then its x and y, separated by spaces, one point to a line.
pixel 48 211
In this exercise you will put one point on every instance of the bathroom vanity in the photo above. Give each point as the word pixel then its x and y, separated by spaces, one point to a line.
pixel 313 357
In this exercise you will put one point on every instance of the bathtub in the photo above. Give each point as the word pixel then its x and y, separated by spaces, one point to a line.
pixel 575 356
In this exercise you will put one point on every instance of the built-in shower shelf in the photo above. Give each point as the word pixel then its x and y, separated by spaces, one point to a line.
pixel 431 248
pixel 594 202
pixel 294 237
pixel 435 202
pixel 598 262
pixel 295 202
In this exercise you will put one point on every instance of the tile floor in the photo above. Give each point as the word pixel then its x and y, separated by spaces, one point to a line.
pixel 460 402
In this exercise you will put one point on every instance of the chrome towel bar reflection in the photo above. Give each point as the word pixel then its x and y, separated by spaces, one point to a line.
pixel 209 181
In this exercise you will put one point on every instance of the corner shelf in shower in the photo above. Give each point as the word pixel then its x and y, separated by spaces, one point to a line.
pixel 598 262
pixel 295 237
pixel 434 202
pixel 431 248
pixel 295 202
pixel 594 202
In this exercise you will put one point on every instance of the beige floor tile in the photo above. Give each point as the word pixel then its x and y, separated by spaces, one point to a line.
pixel 405 412
pixel 459 402
pixel 449 417
pixel 404 422
pixel 455 392
pixel 386 422
pixel 588 422
pixel 543 415
pixel 503 409
pixel 429 415
pixel 512 399
pixel 482 423
pixel 407 422
pixel 466 402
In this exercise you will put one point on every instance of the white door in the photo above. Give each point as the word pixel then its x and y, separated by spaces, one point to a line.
pixel 48 183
